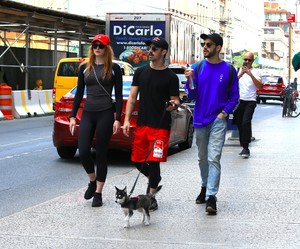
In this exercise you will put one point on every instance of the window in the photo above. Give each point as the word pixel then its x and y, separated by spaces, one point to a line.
pixel 272 46
pixel 68 69
pixel 269 31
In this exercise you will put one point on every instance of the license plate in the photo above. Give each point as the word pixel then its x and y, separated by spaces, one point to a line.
pixel 269 88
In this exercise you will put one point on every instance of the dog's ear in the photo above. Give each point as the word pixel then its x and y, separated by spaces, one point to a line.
pixel 125 188
pixel 116 188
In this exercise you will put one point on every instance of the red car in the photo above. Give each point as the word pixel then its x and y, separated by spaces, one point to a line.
pixel 273 89
pixel 182 130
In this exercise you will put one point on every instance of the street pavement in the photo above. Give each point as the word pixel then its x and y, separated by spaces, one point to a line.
pixel 258 204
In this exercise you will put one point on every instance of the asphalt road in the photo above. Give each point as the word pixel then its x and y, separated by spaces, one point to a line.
pixel 31 171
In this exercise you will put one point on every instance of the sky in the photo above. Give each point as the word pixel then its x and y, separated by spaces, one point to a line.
pixel 93 8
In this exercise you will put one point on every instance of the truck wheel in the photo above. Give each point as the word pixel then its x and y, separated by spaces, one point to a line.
pixel 189 138
pixel 66 152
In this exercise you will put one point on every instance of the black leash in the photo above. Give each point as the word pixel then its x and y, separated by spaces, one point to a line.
pixel 149 151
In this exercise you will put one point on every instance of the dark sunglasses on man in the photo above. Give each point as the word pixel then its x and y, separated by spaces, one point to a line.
pixel 100 45
pixel 247 59
pixel 153 48
pixel 207 44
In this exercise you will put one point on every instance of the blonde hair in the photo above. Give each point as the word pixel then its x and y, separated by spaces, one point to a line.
pixel 107 57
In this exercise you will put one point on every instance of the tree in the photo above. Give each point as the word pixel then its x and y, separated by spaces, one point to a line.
pixel 238 59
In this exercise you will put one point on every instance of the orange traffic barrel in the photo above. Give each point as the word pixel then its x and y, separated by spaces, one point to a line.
pixel 6 101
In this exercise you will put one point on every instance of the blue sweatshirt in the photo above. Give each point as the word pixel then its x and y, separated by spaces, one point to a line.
pixel 213 93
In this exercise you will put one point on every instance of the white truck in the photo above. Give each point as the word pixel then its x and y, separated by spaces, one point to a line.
pixel 129 31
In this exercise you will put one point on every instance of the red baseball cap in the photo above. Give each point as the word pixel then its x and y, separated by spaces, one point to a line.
pixel 104 39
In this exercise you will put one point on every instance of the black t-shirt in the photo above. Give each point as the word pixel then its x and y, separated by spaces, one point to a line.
pixel 155 89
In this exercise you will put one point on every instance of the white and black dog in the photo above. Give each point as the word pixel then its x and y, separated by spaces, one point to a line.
pixel 141 203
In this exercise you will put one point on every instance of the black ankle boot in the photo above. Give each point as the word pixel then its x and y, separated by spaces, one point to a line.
pixel 89 193
pixel 97 201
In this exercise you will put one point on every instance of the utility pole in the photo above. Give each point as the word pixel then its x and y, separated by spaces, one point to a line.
pixel 290 50
pixel 290 19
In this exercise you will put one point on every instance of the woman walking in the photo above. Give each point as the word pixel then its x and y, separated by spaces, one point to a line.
pixel 98 75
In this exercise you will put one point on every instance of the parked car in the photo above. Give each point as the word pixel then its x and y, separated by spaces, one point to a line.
pixel 273 88
pixel 66 145
pixel 177 69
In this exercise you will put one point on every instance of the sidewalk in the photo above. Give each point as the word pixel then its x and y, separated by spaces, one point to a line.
pixel 258 204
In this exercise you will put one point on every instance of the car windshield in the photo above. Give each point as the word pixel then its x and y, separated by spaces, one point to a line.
pixel 68 69
pixel 271 79
pixel 181 77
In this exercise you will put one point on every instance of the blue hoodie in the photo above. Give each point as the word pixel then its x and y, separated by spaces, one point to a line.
pixel 213 93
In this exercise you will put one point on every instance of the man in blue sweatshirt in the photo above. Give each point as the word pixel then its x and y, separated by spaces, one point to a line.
pixel 216 94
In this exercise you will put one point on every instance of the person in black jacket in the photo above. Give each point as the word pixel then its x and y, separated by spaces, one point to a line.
pixel 99 75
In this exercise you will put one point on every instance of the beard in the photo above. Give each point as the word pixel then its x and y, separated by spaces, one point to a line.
pixel 211 53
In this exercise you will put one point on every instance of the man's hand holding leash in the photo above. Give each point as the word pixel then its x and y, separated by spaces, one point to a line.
pixel 172 105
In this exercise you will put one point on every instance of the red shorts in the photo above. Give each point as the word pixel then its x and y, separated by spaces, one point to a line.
pixel 144 137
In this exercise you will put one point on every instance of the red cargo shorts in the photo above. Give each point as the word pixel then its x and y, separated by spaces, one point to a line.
pixel 143 139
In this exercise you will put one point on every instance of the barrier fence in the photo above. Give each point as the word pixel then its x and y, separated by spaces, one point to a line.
pixel 6 101
pixel 26 103
pixel 1 115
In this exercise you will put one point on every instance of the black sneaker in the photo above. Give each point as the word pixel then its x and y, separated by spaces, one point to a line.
pixel 242 152
pixel 97 201
pixel 201 197
pixel 89 193
pixel 246 153
pixel 153 205
pixel 211 205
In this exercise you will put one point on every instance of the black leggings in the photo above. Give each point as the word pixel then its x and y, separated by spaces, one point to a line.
pixel 102 123
pixel 152 170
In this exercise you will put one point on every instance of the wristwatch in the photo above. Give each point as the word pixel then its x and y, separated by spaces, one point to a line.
pixel 224 113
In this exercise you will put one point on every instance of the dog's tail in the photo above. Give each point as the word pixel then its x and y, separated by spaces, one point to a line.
pixel 156 191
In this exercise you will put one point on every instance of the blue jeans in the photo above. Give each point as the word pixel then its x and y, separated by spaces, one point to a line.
pixel 210 141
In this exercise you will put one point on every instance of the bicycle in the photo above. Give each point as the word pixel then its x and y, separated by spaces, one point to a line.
pixel 290 99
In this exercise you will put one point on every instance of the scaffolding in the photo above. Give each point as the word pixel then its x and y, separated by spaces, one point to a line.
pixel 29 22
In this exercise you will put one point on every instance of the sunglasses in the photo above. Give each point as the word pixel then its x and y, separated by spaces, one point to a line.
pixel 245 59
pixel 153 48
pixel 101 46
pixel 208 44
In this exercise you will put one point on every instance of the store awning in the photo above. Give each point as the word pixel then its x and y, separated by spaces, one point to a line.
pixel 296 61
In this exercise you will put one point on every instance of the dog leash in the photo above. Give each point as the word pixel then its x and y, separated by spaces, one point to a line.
pixel 149 151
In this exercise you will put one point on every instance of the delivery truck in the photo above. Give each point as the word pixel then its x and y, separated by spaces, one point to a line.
pixel 129 31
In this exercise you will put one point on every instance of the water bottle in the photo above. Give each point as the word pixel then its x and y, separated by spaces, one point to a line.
pixel 191 81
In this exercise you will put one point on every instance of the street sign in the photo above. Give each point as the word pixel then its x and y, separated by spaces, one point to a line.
pixel 291 18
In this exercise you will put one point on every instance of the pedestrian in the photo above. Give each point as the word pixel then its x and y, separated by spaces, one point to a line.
pixel 99 75
pixel 216 95
pixel 249 82
pixel 156 85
